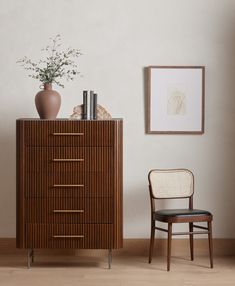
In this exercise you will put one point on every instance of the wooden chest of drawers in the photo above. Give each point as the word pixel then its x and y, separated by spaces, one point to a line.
pixel 69 184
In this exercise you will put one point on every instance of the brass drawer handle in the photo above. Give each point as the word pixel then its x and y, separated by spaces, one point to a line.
pixel 68 236
pixel 69 134
pixel 68 211
pixel 67 186
pixel 68 160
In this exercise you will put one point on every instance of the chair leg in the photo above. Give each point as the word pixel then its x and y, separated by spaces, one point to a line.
pixel 169 245
pixel 151 241
pixel 210 242
pixel 191 240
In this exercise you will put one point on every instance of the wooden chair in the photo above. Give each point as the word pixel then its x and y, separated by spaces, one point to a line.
pixel 176 184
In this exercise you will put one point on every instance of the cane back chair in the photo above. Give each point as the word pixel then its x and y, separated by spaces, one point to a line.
pixel 176 184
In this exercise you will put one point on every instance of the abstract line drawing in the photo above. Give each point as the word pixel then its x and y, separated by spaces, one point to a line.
pixel 176 101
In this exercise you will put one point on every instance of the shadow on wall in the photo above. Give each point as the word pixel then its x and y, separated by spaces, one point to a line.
pixel 214 167
pixel 223 120
pixel 137 211
pixel 7 179
pixel 146 99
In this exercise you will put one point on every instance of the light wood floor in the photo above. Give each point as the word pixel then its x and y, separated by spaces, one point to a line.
pixel 69 270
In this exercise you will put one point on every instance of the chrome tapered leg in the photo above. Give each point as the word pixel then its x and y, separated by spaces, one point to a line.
pixel 30 257
pixel 110 258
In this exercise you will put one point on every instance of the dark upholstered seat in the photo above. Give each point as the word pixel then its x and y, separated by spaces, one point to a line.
pixel 181 212
pixel 182 215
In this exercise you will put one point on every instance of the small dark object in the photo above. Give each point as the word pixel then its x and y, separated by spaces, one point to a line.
pixel 84 106
pixel 91 103
pixel 95 106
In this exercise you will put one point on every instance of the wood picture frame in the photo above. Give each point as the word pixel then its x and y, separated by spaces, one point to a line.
pixel 175 100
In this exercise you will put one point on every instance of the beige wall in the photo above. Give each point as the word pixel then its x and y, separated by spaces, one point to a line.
pixel 118 39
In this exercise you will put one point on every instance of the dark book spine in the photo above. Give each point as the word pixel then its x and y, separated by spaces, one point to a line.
pixel 95 106
pixel 91 104
pixel 84 106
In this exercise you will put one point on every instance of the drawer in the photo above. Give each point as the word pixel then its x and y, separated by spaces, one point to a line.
pixel 68 159
pixel 69 236
pixel 68 133
pixel 75 184
pixel 69 210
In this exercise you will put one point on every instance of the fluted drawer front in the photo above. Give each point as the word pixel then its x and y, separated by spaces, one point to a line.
pixel 66 184
pixel 69 236
pixel 69 183
pixel 68 159
pixel 69 133
pixel 69 210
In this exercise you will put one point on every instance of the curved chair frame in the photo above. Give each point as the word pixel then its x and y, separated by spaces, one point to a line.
pixel 191 219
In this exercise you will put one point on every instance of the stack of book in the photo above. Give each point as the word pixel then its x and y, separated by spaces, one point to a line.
pixel 89 105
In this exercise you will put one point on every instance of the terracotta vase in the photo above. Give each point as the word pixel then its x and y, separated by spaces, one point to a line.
pixel 48 102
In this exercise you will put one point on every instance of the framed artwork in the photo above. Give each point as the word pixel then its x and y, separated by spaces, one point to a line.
pixel 175 99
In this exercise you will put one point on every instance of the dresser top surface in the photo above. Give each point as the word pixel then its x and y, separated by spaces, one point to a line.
pixel 67 119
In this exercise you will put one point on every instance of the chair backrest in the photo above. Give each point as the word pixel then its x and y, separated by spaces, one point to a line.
pixel 171 183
